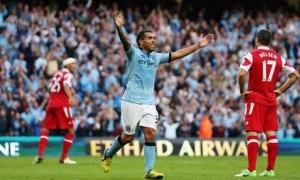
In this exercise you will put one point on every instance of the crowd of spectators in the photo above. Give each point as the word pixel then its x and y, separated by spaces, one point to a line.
pixel 196 96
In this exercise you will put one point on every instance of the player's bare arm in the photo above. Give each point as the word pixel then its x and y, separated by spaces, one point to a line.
pixel 69 94
pixel 293 77
pixel 72 90
pixel 119 21
pixel 241 78
pixel 204 41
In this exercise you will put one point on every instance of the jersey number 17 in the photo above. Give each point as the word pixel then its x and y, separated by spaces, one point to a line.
pixel 271 73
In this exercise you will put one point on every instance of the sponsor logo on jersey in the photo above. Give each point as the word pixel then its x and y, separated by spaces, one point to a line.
pixel 154 59
pixel 148 64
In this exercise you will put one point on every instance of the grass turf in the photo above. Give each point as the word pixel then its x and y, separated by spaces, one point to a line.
pixel 174 168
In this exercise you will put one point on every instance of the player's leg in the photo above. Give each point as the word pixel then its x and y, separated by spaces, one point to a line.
pixel 66 121
pixel 49 123
pixel 254 115
pixel 252 149
pixel 150 153
pixel 67 144
pixel 42 146
pixel 130 118
pixel 149 148
pixel 108 154
pixel 149 124
pixel 272 149
pixel 271 125
pixel 272 144
pixel 118 143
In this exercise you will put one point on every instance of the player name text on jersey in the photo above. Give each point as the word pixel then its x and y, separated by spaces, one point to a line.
pixel 264 54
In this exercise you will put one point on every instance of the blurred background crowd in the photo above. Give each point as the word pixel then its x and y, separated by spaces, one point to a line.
pixel 196 96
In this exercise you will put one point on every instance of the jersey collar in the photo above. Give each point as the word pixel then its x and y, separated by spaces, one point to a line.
pixel 263 47
pixel 145 52
pixel 65 69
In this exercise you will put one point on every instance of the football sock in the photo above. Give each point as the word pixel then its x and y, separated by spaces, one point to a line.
pixel 115 147
pixel 272 151
pixel 252 147
pixel 43 143
pixel 149 151
pixel 67 145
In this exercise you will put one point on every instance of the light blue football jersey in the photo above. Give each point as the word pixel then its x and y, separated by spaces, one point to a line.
pixel 141 68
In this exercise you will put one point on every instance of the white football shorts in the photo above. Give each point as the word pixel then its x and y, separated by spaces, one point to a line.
pixel 137 114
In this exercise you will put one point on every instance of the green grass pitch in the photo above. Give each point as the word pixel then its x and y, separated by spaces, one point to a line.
pixel 131 168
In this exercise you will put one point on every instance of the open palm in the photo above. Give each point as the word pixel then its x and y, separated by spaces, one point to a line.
pixel 118 18
pixel 204 41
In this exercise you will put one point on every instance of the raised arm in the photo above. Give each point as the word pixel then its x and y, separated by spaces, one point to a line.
pixel 119 21
pixel 204 41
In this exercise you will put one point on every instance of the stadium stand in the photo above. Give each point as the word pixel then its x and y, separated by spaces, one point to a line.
pixel 35 36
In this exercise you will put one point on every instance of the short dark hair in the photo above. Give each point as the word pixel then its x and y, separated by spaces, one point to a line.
pixel 264 37
pixel 141 35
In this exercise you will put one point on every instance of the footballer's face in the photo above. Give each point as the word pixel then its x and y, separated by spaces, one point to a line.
pixel 71 67
pixel 148 43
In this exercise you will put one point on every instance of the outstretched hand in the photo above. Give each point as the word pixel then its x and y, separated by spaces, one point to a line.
pixel 118 19
pixel 204 41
